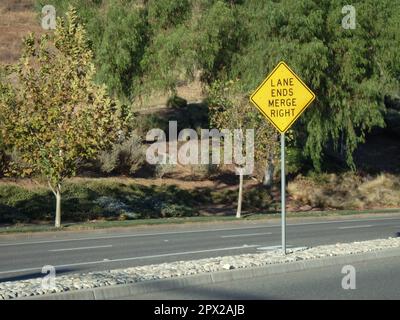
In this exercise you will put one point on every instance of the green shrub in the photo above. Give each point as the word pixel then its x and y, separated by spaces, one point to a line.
pixel 18 204
pixel 126 157
pixel 176 102
pixel 225 197
pixel 105 199
pixel 163 14
pixel 202 171
pixel 257 198
pixel 164 170
pixel 146 122
pixel 170 210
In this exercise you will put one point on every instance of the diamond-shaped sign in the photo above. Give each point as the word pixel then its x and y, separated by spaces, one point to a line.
pixel 282 97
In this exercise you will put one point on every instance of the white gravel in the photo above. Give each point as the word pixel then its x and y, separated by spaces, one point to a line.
pixel 31 287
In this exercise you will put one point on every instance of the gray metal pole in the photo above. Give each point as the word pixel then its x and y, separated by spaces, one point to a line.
pixel 283 194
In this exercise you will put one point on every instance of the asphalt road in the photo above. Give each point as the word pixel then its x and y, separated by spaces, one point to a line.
pixel 23 256
pixel 375 279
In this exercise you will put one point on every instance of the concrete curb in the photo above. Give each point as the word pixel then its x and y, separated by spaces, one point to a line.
pixel 132 289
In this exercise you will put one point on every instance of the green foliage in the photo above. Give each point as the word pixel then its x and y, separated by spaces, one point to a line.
pixel 218 37
pixel 126 157
pixel 105 199
pixel 3 156
pixel 253 199
pixel 3 162
pixel 88 200
pixel 19 204
pixel 55 115
pixel 120 48
pixel 229 110
pixel 165 14
pixel 175 210
pixel 169 59
pixel 341 66
pixel 176 102
pixel 141 46
pixel 163 170
pixel 146 122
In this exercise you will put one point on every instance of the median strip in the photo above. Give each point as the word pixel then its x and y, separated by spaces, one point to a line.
pixel 122 282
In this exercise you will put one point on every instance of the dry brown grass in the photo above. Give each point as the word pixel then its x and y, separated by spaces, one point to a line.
pixel 347 191
pixel 180 180
pixel 15 5
pixel 192 91
pixel 17 19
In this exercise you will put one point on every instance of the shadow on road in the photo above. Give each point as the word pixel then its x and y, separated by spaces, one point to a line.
pixel 163 291
pixel 34 275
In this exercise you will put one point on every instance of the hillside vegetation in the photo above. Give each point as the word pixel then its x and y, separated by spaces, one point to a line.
pixel 198 61
pixel 17 19
pixel 145 46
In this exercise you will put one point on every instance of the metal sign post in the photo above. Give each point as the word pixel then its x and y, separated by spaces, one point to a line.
pixel 281 98
pixel 283 194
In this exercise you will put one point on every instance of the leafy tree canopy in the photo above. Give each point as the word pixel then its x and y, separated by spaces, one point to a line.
pixel 145 45
pixel 55 115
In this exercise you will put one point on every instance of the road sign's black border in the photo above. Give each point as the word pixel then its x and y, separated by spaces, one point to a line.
pixel 262 84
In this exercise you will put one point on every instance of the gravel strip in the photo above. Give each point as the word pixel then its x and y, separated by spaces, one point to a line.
pixel 33 287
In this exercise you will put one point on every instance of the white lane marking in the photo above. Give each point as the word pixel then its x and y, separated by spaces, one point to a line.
pixel 337 221
pixel 273 247
pixel 80 248
pixel 189 231
pixel 355 227
pixel 134 258
pixel 246 235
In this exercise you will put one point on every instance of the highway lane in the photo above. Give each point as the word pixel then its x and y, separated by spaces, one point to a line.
pixel 24 256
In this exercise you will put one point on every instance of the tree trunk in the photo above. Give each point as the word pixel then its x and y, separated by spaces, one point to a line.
pixel 58 208
pixel 239 206
pixel 269 173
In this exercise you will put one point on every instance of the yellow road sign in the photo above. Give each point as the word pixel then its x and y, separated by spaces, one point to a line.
pixel 282 97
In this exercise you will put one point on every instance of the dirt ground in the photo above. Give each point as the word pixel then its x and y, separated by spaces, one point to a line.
pixel 17 19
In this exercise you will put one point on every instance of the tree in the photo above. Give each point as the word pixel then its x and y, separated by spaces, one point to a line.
pixel 169 58
pixel 170 55
pixel 120 49
pixel 230 110
pixel 3 157
pixel 55 115
pixel 198 39
pixel 164 14
pixel 3 92
pixel 349 70
pixel 352 71
pixel 218 35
